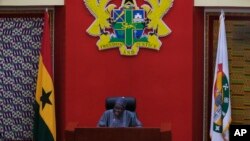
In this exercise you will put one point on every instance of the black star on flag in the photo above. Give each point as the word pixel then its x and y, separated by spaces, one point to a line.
pixel 45 98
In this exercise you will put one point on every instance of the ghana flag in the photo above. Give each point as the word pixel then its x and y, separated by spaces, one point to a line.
pixel 45 123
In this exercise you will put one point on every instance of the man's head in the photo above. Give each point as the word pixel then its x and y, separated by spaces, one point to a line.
pixel 119 107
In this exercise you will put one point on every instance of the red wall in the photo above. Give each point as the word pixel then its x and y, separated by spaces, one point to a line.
pixel 198 63
pixel 162 81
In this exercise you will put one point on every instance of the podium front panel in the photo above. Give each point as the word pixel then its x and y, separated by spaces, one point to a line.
pixel 117 134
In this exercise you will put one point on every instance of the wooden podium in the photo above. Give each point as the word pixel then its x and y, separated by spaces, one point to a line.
pixel 117 134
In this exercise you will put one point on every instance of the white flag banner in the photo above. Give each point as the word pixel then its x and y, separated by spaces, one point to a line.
pixel 221 99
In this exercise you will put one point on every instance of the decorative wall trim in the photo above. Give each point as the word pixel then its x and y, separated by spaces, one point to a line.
pixel 222 3
pixel 31 2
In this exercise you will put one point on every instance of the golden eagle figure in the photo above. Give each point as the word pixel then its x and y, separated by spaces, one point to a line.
pixel 155 11
pixel 102 13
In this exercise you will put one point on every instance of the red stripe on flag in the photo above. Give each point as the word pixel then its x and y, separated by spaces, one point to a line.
pixel 219 67
pixel 46 50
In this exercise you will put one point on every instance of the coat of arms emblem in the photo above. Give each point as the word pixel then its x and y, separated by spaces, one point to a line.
pixel 128 27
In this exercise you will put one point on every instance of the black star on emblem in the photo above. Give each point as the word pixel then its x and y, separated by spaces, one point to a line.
pixel 45 98
pixel 131 1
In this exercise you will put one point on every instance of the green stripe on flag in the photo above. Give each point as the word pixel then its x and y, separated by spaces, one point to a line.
pixel 40 127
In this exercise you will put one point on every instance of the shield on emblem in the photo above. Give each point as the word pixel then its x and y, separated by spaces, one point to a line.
pixel 128 25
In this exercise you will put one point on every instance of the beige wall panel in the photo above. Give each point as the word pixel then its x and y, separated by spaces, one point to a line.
pixel 31 2
pixel 222 3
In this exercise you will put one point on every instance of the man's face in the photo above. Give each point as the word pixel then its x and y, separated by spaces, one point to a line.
pixel 118 110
